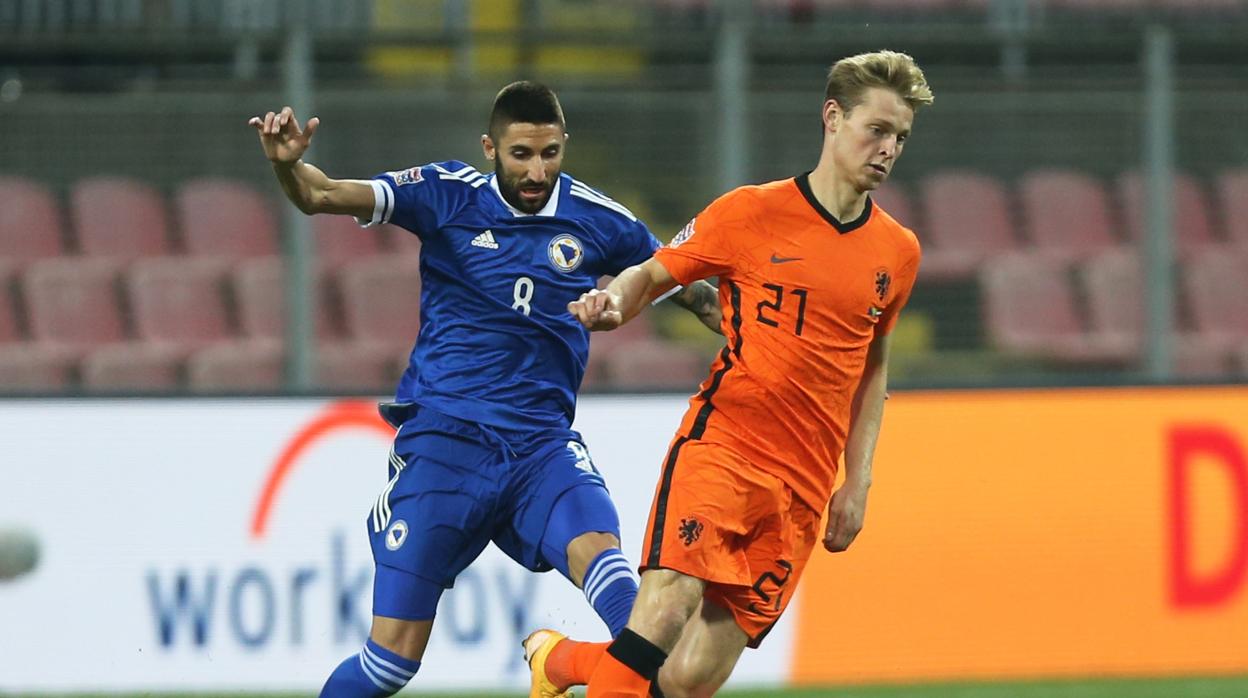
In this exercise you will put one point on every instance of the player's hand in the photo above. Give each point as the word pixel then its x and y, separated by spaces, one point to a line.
pixel 845 514
pixel 598 310
pixel 281 137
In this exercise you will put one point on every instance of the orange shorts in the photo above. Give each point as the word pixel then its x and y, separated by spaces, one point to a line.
pixel 718 518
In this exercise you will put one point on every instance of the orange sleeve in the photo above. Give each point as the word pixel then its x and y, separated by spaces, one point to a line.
pixel 708 245
pixel 905 284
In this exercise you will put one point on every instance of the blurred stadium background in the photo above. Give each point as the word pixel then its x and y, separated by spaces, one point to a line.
pixel 1080 185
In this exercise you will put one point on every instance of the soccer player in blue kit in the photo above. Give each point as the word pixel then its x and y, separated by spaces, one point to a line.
pixel 484 449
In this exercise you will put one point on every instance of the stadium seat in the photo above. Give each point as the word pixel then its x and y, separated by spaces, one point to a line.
pixel 1215 283
pixel 355 367
pixel 1232 187
pixel 179 301
pixel 1030 308
pixel 339 240
pixel 966 221
pixel 602 345
pixel 398 239
pixel 224 218
pixel 118 217
pixel 1191 212
pixel 381 300
pixel 1066 213
pixel 259 289
pixel 35 367
pixel 1114 285
pixel 656 365
pixel 74 302
pixel 133 367
pixel 895 199
pixel 30 222
pixel 10 331
pixel 236 367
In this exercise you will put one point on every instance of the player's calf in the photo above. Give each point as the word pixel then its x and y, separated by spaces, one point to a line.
pixel 375 672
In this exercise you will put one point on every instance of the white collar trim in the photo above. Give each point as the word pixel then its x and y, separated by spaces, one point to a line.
pixel 552 204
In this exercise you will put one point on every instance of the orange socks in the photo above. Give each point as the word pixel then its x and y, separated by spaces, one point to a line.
pixel 614 679
pixel 626 668
pixel 571 663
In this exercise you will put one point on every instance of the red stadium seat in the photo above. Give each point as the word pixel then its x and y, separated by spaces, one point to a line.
pixel 381 300
pixel 1233 201
pixel 398 239
pixel 339 240
pixel 10 331
pixel 1215 283
pixel 118 217
pixel 133 367
pixel 224 218
pixel 259 289
pixel 895 200
pixel 1114 283
pixel 656 365
pixel 74 302
pixel 355 367
pixel 1066 213
pixel 236 367
pixel 179 301
pixel 35 367
pixel 603 345
pixel 966 221
pixel 1031 308
pixel 1191 212
pixel 30 222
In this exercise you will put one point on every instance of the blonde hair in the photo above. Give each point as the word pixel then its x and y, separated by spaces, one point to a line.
pixel 849 78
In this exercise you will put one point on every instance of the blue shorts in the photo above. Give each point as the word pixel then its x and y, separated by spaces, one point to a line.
pixel 455 486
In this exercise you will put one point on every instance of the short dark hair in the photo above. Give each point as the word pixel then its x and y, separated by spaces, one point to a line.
pixel 525 102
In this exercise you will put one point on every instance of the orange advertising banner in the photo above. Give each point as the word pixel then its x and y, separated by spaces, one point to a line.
pixel 1046 533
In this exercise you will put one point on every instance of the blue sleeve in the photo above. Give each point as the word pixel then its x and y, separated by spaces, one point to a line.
pixel 423 199
pixel 633 245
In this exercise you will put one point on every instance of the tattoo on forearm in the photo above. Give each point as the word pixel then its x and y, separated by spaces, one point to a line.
pixel 701 299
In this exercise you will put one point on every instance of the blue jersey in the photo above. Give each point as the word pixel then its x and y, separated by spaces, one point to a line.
pixel 497 344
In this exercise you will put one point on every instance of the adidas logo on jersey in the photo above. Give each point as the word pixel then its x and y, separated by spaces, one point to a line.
pixel 485 240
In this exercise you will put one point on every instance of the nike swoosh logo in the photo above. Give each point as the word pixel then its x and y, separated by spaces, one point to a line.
pixel 782 260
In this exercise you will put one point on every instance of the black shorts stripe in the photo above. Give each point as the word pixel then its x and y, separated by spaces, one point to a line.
pixel 660 504
pixel 725 356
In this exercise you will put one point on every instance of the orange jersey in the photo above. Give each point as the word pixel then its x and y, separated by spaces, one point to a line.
pixel 803 295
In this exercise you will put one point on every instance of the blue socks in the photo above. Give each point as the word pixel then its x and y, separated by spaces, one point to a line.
pixel 375 672
pixel 611 588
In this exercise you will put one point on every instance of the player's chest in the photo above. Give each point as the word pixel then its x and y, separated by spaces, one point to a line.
pixel 558 252
pixel 816 281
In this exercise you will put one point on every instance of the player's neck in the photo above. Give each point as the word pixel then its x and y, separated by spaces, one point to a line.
pixel 836 194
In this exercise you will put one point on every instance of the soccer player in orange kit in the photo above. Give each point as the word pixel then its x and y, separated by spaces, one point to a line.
pixel 812 276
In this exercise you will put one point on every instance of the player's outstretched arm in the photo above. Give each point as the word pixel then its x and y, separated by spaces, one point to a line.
pixel 624 297
pixel 309 189
pixel 702 299
pixel 849 503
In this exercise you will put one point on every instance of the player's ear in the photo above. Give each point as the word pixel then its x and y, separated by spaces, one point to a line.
pixel 487 147
pixel 832 115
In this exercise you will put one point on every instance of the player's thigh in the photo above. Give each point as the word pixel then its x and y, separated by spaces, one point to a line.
pixel 777 554
pixel 705 655
pixel 555 495
pixel 436 513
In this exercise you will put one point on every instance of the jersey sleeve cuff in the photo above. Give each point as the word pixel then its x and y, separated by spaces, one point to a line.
pixel 383 204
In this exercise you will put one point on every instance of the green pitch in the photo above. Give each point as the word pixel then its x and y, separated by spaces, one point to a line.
pixel 1236 687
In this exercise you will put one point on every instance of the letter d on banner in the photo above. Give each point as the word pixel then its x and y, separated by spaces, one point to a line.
pixel 1186 444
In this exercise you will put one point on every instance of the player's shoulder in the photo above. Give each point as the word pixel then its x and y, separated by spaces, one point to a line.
pixel 446 174
pixel 593 202
pixel 904 238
